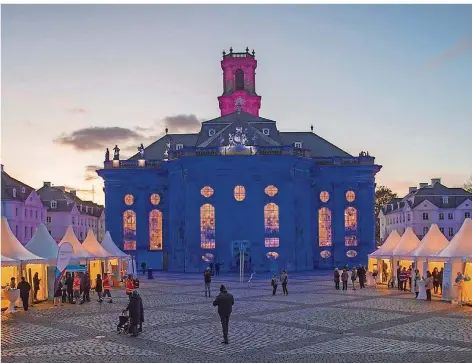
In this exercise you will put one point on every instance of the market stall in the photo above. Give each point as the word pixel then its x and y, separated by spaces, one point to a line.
pixel 9 269
pixel 116 266
pixel 80 253
pixel 381 261
pixel 30 264
pixel 97 265
pixel 454 253
pixel 401 254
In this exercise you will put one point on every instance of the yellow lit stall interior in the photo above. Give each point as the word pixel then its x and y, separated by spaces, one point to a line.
pixel 372 264
pixel 30 269
pixel 95 268
pixel 385 270
pixel 467 296
pixel 7 273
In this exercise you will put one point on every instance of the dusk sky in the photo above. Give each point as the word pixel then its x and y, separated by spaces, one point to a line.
pixel 393 80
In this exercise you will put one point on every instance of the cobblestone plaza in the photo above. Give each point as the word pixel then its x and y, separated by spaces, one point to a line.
pixel 314 323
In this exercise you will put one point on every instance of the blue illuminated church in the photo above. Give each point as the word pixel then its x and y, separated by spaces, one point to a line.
pixel 295 200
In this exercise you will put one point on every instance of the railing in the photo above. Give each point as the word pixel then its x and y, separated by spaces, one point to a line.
pixel 238 55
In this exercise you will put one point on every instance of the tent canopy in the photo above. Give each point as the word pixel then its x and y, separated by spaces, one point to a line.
pixel 13 248
pixel 461 244
pixel 407 244
pixel 386 249
pixel 79 250
pixel 431 244
pixel 42 244
pixel 92 246
pixel 111 247
pixel 6 261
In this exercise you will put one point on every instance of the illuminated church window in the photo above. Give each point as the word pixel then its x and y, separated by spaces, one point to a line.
pixel 324 196
pixel 239 79
pixel 350 226
pixel 350 196
pixel 324 227
pixel 351 253
pixel 155 230
pixel 325 254
pixel 207 191
pixel 129 230
pixel 155 199
pixel 272 255
pixel 271 225
pixel 207 226
pixel 271 190
pixel 129 199
pixel 239 193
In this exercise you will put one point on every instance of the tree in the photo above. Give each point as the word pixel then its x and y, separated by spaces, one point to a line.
pixel 383 195
pixel 468 185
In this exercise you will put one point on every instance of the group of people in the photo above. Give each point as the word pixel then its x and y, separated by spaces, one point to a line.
pixel 25 288
pixel 283 280
pixel 356 273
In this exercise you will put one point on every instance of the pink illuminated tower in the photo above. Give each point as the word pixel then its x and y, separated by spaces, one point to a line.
pixel 239 83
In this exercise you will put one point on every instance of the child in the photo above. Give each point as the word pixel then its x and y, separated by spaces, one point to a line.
pixel 58 294
pixel 274 284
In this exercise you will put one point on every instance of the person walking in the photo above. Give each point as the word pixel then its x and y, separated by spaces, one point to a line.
pixel 24 288
pixel 225 302
pixel 106 287
pixel 70 287
pixel 36 282
pixel 129 285
pixel 362 274
pixel 284 281
pixel 99 287
pixel 134 308
pixel 354 278
pixel 76 288
pixel 64 290
pixel 428 285
pixel 274 283
pixel 143 267
pixel 207 281
pixel 417 278
pixel 337 277
pixel 344 278
pixel 217 268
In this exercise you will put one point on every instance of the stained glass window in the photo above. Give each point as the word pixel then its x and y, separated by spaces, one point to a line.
pixel 129 230
pixel 239 193
pixel 324 227
pixel 271 190
pixel 350 226
pixel 155 199
pixel 207 226
pixel 324 196
pixel 271 225
pixel 351 253
pixel 325 254
pixel 272 255
pixel 207 191
pixel 155 230
pixel 129 199
pixel 350 196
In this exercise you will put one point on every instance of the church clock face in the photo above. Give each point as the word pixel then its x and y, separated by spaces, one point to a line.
pixel 240 101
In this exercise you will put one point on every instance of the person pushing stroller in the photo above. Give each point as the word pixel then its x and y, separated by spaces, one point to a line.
pixel 136 314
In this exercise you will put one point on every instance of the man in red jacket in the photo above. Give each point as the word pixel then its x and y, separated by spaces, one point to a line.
pixel 106 287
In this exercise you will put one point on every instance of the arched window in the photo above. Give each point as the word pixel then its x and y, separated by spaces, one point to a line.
pixel 324 227
pixel 271 225
pixel 239 79
pixel 207 226
pixel 350 226
pixel 129 230
pixel 155 230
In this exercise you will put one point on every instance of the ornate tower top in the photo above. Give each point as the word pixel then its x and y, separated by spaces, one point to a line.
pixel 239 83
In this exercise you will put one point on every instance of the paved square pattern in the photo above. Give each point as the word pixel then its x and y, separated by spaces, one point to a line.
pixel 313 323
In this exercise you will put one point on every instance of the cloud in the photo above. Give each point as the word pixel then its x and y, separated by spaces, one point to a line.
pixel 77 111
pixel 457 50
pixel 96 138
pixel 90 172
pixel 181 123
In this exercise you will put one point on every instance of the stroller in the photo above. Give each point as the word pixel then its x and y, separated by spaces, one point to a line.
pixel 123 326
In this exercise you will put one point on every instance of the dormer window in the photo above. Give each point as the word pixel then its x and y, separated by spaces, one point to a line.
pixel 179 146
pixel 23 190
pixel 445 200
pixel 298 144
pixel 53 204
pixel 211 132
pixel 266 132
pixel 14 193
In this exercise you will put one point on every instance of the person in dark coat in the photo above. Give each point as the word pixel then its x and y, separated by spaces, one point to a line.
pixel 337 277
pixel 361 273
pixel 135 308
pixel 217 268
pixel 99 288
pixel 207 280
pixel 225 302
pixel 85 287
pixel 24 288
pixel 36 281
pixel 141 320
pixel 70 285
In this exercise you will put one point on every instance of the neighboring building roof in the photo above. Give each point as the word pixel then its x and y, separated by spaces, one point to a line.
pixel 252 126
pixel 9 183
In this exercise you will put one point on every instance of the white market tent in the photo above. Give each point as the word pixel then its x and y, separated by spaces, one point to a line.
pixel 407 244
pixel 461 244
pixel 42 244
pixel 93 247
pixel 388 246
pixel 431 244
pixel 79 251
pixel 111 247
pixel 6 261
pixel 12 248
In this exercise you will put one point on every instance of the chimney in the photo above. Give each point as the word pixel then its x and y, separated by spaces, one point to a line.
pixel 412 189
pixel 61 188
pixel 435 181
pixel 47 184
pixel 423 185
pixel 73 192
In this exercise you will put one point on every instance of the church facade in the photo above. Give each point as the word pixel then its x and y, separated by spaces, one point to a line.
pixel 240 186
